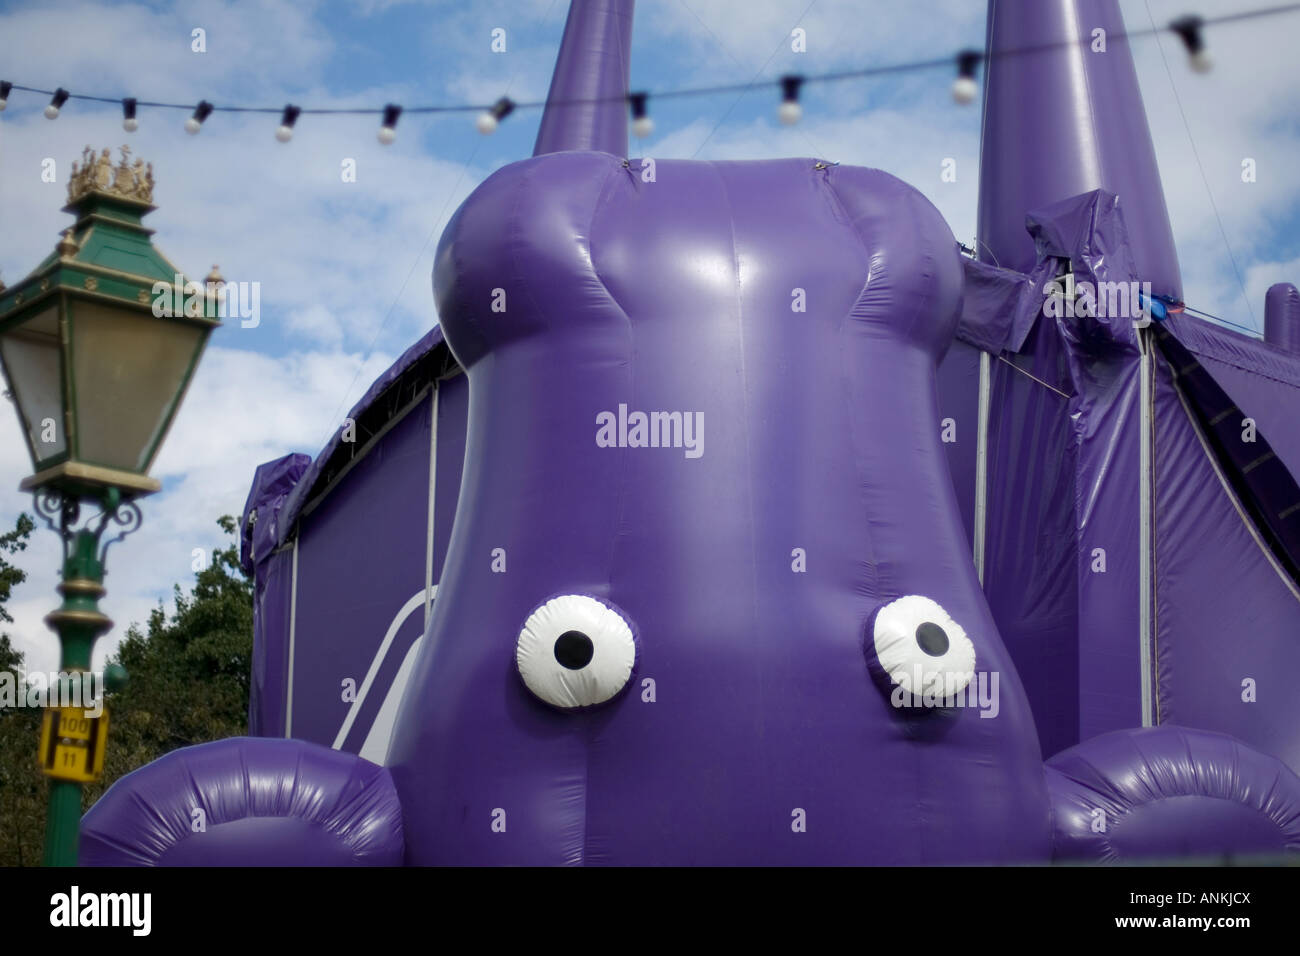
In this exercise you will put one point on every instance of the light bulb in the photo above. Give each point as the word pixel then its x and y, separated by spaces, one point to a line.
pixel 964 89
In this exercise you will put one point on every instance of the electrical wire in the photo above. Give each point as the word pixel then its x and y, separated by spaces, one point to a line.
pixel 834 77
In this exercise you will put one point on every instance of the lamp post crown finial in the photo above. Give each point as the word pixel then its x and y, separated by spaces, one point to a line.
pixel 127 180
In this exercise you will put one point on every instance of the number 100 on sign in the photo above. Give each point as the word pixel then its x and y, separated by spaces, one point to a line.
pixel 72 744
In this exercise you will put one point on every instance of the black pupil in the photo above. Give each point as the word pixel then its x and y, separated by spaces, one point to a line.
pixel 574 650
pixel 929 637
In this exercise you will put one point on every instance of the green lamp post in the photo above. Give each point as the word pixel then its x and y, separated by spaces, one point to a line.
pixel 97 346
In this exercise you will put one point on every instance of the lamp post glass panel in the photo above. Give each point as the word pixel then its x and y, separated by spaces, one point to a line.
pixel 96 360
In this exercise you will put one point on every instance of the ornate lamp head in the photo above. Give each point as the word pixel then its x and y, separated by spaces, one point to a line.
pixel 97 371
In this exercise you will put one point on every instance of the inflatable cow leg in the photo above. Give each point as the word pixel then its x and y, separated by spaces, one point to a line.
pixel 248 801
pixel 1171 792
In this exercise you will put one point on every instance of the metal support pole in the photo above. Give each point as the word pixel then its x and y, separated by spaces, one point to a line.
pixel 72 741
pixel 79 623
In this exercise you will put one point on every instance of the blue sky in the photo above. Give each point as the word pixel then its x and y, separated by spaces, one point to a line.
pixel 344 268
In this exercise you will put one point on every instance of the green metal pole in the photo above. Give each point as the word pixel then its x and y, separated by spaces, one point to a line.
pixel 62 823
pixel 79 624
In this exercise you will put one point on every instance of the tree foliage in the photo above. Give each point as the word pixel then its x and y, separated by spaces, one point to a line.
pixel 10 575
pixel 22 788
pixel 188 683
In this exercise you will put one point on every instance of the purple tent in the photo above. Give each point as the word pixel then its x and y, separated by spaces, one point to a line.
pixel 947 517
pixel 1125 524
pixel 347 562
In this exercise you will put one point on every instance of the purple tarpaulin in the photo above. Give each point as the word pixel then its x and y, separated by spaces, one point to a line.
pixel 272 572
pixel 306 485
pixel 268 692
pixel 361 562
pixel 344 622
pixel 1061 121
pixel 958 378
pixel 453 408
pixel 1029 557
pixel 262 525
pixel 1227 645
pixel 1263 379
pixel 1065 145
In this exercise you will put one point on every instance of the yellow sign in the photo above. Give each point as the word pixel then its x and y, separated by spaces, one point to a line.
pixel 72 744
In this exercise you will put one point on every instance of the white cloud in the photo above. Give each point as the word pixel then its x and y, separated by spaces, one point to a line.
pixel 251 46
pixel 1240 109
pixel 317 323
pixel 721 35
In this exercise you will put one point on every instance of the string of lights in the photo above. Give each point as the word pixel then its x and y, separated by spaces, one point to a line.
pixel 1189 29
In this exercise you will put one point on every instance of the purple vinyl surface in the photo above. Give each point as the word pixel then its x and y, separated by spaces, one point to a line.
pixel 270 802
pixel 272 571
pixel 691 311
pixel 363 557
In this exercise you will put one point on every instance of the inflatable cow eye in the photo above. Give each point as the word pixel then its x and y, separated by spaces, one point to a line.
pixel 575 652
pixel 918 646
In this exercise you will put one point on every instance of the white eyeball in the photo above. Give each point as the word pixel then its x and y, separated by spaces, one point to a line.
pixel 575 652
pixel 919 647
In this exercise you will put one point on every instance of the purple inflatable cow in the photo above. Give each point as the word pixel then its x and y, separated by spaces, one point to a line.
pixel 708 598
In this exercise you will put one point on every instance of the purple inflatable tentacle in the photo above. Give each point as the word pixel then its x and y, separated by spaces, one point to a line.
pixel 1063 121
pixel 1171 792
pixel 592 66
pixel 1282 316
pixel 263 802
